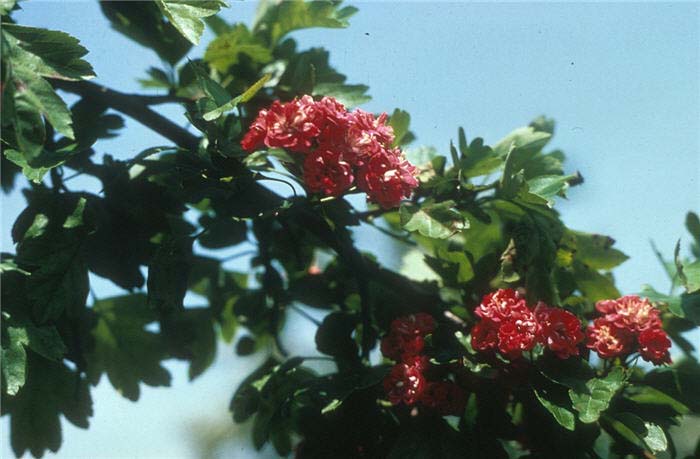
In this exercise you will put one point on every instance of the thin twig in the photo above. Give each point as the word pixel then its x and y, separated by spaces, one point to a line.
pixel 305 314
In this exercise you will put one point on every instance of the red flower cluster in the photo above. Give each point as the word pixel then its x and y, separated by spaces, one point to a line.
pixel 340 147
pixel 510 326
pixel 406 382
pixel 629 324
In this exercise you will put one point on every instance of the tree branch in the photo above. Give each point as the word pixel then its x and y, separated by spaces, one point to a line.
pixel 134 106
pixel 413 295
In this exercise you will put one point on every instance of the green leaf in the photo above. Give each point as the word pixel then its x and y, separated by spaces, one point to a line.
pixel 673 302
pixel 688 272
pixel 350 95
pixel 476 159
pixel 277 19
pixel 400 121
pixel 187 15
pixel 51 390
pixel 167 273
pixel 226 49
pixel 643 434
pixel 593 285
pixel 124 349
pixel 20 335
pixel 543 124
pixel 561 414
pixel 37 94
pixel 332 406
pixel 692 223
pixel 573 373
pixel 144 23
pixel 690 276
pixel 8 265
pixel 231 104
pixel 23 116
pixel 647 395
pixel 47 53
pixel 526 140
pixel 690 304
pixel 600 392
pixel 6 6
pixel 59 280
pixel 40 165
pixel 334 336
pixel 211 88
pixel 595 250
pixel 190 335
pixel 434 220
pixel 158 79
pixel 221 232
pixel 655 439
pixel 30 55
pixel 549 186
pixel 14 360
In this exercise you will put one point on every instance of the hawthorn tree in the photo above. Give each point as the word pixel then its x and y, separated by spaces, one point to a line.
pixel 503 335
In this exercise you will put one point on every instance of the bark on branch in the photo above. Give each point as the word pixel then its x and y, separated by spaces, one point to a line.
pixel 134 106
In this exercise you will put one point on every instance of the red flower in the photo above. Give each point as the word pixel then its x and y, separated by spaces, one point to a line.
pixel 608 340
pixel 414 324
pixel 254 139
pixel 485 335
pixel 446 397
pixel 326 172
pixel 401 347
pixel 507 324
pixel 519 333
pixel 499 306
pixel 387 178
pixel 630 312
pixel 405 340
pixel 654 345
pixel 293 125
pixel 367 135
pixel 560 330
pixel 404 383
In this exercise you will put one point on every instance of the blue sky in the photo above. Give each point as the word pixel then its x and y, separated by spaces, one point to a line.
pixel 620 79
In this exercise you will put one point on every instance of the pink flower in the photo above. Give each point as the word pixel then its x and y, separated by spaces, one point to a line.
pixel 654 345
pixel 327 173
pixel 608 340
pixel 560 330
pixel 630 312
pixel 387 178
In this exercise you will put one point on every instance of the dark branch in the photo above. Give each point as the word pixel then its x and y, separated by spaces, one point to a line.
pixel 415 297
pixel 134 106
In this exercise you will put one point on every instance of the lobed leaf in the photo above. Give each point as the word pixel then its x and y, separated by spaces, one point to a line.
pixel 186 15
pixel 591 404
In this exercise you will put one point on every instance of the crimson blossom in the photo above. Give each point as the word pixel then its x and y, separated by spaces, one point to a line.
pixel 406 382
pixel 629 324
pixel 510 326
pixel 341 148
